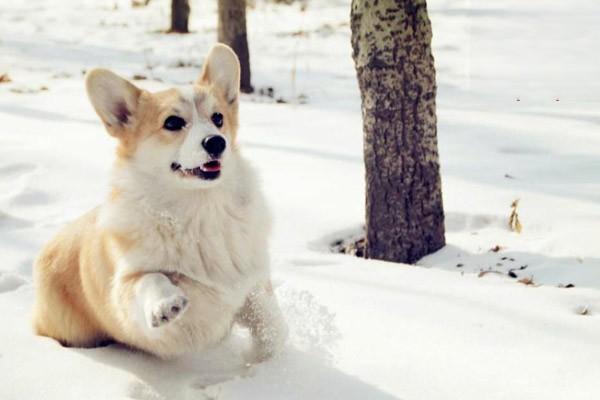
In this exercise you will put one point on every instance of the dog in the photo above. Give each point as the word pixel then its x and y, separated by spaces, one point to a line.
pixel 178 252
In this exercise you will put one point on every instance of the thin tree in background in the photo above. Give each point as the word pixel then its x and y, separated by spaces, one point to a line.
pixel 180 15
pixel 232 32
pixel 391 42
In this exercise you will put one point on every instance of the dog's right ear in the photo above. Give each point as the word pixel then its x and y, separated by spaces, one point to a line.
pixel 114 99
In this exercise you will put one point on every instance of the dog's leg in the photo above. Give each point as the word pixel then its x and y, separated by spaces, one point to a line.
pixel 156 300
pixel 261 314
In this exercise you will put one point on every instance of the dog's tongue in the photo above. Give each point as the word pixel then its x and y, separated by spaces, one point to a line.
pixel 211 166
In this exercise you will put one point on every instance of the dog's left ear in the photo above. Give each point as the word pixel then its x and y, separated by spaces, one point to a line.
pixel 114 98
pixel 222 69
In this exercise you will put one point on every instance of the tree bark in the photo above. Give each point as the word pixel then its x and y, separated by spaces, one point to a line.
pixel 180 14
pixel 391 43
pixel 232 32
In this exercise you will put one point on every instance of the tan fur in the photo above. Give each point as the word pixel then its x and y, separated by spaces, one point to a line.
pixel 62 310
pixel 83 297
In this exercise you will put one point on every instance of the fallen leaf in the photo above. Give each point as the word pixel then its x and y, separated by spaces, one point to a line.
pixel 583 310
pixel 567 286
pixel 139 3
pixel 526 280
pixel 513 220
pixel 489 271
pixel 28 90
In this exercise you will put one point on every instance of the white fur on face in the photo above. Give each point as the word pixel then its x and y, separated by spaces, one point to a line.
pixel 191 153
pixel 155 157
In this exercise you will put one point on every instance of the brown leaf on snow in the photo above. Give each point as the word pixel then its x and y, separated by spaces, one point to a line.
pixel 513 221
pixel 496 248
pixel 29 90
pixel 489 271
pixel 583 310
pixel 567 286
pixel 4 78
pixel 139 3
pixel 527 281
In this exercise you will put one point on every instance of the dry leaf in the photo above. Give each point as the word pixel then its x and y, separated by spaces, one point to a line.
pixel 583 310
pixel 489 271
pixel 139 3
pixel 28 90
pixel 513 221
pixel 4 78
pixel 526 281
pixel 567 286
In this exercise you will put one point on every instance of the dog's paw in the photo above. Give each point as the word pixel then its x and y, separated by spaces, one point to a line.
pixel 166 310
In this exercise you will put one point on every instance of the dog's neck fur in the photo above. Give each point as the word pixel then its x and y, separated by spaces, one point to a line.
pixel 164 219
pixel 173 206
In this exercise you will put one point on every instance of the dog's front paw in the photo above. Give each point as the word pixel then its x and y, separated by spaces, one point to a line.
pixel 166 310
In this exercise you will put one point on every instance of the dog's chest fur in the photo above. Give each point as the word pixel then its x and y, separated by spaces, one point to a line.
pixel 217 237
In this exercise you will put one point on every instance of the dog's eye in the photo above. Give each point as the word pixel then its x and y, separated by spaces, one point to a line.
pixel 174 123
pixel 217 119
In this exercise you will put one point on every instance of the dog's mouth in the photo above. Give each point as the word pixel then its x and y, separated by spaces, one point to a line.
pixel 208 171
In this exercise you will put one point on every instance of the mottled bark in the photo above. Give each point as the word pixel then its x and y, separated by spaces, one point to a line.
pixel 180 14
pixel 232 32
pixel 391 42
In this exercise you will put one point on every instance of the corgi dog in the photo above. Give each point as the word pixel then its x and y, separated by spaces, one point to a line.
pixel 177 253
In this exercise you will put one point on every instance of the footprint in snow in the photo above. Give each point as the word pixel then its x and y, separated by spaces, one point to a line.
pixel 30 197
pixel 8 221
pixel 17 169
pixel 209 382
pixel 14 179
pixel 10 281
pixel 138 390
pixel 212 392
pixel 25 267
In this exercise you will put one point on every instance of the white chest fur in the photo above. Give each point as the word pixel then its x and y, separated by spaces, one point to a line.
pixel 217 237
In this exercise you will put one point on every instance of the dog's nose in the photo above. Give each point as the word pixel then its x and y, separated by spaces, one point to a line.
pixel 214 145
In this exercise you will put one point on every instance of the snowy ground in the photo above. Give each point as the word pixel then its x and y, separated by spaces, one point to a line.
pixel 518 118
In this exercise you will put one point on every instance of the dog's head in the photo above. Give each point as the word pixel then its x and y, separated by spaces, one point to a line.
pixel 178 136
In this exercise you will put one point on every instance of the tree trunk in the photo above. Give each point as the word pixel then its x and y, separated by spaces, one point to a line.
pixel 232 31
pixel 180 14
pixel 391 42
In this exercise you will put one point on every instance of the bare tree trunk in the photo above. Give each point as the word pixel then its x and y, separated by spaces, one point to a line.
pixel 180 14
pixel 391 42
pixel 232 31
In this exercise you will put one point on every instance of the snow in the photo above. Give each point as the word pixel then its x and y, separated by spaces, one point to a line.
pixel 518 119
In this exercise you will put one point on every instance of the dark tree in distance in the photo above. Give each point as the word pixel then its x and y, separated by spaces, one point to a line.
pixel 180 15
pixel 391 43
pixel 231 30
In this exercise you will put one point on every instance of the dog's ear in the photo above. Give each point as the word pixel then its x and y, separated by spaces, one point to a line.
pixel 222 69
pixel 114 99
